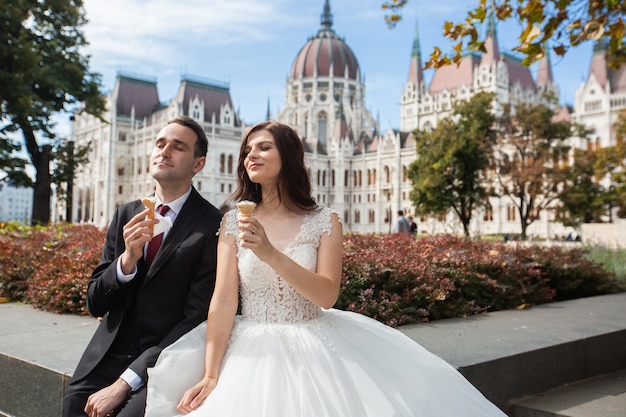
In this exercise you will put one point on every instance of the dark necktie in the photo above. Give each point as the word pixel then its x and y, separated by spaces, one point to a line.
pixel 155 243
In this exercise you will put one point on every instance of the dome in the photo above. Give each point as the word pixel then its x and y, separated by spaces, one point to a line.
pixel 325 52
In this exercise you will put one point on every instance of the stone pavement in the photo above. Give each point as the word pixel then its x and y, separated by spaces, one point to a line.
pixel 563 359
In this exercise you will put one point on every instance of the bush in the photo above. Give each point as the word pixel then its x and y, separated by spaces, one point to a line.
pixel 399 280
pixel 395 279
pixel 60 284
pixel 49 266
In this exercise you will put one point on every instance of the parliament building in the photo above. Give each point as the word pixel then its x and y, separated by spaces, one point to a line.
pixel 355 167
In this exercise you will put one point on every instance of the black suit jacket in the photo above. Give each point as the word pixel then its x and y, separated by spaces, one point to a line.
pixel 161 303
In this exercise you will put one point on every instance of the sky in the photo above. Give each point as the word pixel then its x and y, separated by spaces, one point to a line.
pixel 251 45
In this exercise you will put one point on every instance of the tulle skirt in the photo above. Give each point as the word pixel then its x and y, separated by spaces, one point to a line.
pixel 341 364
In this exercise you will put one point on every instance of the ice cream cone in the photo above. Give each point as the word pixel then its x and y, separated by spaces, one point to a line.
pixel 246 207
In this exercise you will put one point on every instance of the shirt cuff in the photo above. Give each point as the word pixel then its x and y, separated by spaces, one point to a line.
pixel 121 277
pixel 132 379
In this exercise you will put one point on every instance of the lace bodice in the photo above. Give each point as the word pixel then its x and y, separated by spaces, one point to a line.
pixel 265 296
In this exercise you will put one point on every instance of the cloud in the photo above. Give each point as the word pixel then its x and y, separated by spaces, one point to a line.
pixel 136 32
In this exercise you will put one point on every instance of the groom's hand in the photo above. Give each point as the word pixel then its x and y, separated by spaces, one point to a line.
pixel 105 401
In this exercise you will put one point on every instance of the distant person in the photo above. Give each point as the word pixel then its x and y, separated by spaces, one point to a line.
pixel 401 224
pixel 146 307
pixel 412 225
pixel 289 354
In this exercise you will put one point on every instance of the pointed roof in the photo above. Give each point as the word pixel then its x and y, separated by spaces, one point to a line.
pixel 518 73
pixel 598 67
pixel 451 77
pixel 416 75
pixel 136 92
pixel 214 94
pixel 563 115
pixel 491 42
pixel 544 71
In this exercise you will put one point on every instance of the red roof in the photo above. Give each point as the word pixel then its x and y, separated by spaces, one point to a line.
pixel 320 54
pixel 451 77
pixel 132 92
pixel 213 95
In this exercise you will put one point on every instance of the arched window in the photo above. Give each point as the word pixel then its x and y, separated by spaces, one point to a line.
pixel 230 164
pixel 222 163
pixel 387 174
pixel 306 125
pixel 322 123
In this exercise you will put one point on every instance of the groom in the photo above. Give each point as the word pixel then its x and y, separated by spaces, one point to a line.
pixel 146 307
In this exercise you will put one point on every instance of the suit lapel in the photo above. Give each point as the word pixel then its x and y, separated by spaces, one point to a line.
pixel 183 226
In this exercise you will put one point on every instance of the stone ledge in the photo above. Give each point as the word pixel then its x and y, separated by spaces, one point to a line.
pixel 507 354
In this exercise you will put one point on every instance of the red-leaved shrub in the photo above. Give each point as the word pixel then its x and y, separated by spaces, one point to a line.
pixel 400 280
pixel 395 279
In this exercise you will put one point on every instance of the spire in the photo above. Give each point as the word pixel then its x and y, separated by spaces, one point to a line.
pixel 416 75
pixel 491 41
pixel 599 46
pixel 544 72
pixel 327 17
pixel 268 115
pixel 491 24
pixel 599 67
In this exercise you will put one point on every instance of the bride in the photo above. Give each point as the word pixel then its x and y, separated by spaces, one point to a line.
pixel 289 354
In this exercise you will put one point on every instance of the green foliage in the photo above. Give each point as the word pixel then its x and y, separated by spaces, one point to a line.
pixel 612 260
pixel 69 161
pixel 451 160
pixel 11 165
pixel 42 73
pixel 583 198
pixel 531 149
pixel 399 280
pixel 562 23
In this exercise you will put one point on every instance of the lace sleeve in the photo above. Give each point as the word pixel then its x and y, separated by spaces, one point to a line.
pixel 320 222
pixel 229 223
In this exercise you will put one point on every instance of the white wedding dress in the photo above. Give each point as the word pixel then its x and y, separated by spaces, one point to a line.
pixel 288 357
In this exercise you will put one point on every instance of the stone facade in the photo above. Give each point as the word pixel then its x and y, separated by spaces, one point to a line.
pixel 121 144
pixel 354 167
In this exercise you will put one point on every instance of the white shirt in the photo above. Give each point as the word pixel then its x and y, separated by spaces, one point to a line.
pixel 175 206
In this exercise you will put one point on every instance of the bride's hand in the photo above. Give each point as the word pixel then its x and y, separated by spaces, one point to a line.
pixel 253 237
pixel 195 395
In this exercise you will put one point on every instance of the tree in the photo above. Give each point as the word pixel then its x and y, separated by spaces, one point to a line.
pixel 564 23
pixel 583 198
pixel 69 159
pixel 13 166
pixel 448 173
pixel 42 73
pixel 531 150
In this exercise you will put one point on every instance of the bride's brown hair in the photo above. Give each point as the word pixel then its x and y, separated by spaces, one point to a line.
pixel 293 185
